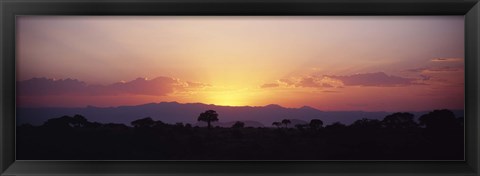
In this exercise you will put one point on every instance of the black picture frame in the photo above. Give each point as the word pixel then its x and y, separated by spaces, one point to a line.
pixel 12 8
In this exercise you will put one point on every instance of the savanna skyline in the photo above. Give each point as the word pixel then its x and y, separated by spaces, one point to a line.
pixel 328 63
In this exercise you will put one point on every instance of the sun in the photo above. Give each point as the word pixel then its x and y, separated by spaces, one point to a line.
pixel 229 98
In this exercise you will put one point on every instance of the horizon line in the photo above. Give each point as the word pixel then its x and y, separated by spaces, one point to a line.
pixel 233 106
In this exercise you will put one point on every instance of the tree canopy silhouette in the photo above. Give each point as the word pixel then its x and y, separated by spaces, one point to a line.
pixel 315 124
pixel 143 123
pixel 399 120
pixel 238 124
pixel 71 137
pixel 60 122
pixel 286 122
pixel 208 116
pixel 277 124
pixel 367 124
pixel 336 125
pixel 439 120
pixel 77 121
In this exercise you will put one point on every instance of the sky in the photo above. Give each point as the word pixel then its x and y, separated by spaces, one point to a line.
pixel 370 63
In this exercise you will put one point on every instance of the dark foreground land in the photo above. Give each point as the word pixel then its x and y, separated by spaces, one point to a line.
pixel 394 138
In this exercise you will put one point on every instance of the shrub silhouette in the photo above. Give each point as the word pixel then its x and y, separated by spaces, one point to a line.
pixel 399 120
pixel 208 116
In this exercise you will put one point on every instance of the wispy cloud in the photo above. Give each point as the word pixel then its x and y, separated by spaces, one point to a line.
pixel 448 59
pixel 379 79
pixel 270 85
pixel 158 86
pixel 305 82
pixel 437 69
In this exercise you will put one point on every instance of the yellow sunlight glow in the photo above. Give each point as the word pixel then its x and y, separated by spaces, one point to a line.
pixel 229 98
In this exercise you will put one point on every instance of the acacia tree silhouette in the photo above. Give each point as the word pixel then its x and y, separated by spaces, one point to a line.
pixel 208 116
pixel 277 124
pixel 286 122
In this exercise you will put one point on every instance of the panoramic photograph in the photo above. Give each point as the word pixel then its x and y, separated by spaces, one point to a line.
pixel 240 88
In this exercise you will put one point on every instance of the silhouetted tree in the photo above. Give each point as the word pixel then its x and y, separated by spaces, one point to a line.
pixel 143 123
pixel 238 124
pixel 179 124
pixel 399 120
pixel 439 120
pixel 208 116
pixel 78 121
pixel 158 124
pixel 59 123
pixel 315 124
pixel 367 124
pixel 277 124
pixel 286 122
pixel 336 126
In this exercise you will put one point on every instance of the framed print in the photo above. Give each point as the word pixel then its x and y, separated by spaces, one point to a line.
pixel 254 87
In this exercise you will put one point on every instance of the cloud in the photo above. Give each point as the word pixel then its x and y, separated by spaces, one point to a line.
pixel 451 59
pixel 305 82
pixel 319 82
pixel 288 82
pixel 197 85
pixel 437 69
pixel 158 86
pixel 425 77
pixel 142 86
pixel 309 82
pixel 445 69
pixel 379 79
pixel 44 86
pixel 270 85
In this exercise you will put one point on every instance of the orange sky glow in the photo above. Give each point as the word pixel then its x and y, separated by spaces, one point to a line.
pixel 369 63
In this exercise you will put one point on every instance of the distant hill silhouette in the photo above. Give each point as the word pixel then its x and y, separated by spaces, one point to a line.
pixel 173 112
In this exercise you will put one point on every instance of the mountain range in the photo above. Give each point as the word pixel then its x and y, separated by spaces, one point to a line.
pixel 173 112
